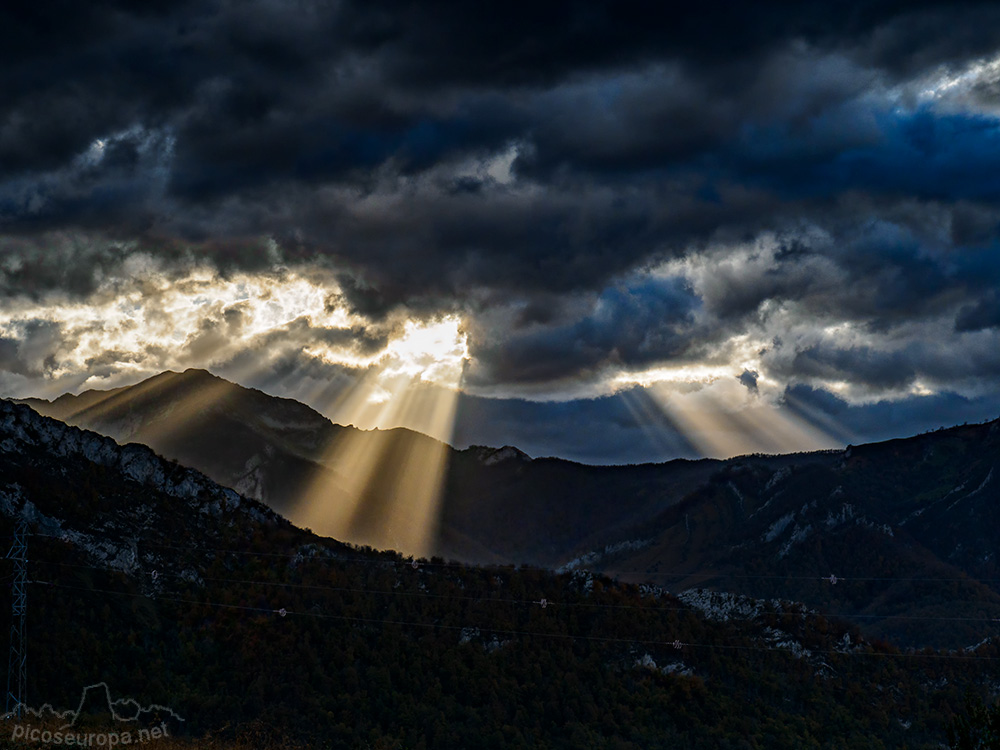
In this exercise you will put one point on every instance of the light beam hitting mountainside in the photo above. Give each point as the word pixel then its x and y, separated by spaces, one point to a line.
pixel 387 491
pixel 374 487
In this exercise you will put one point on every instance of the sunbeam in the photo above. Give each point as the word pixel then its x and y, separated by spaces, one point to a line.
pixel 382 486
pixel 721 418
pixel 179 404
pixel 659 429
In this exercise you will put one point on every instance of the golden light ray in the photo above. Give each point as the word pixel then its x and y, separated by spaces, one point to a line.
pixel 408 512
pixel 329 502
pixel 781 431
pixel 97 402
pixel 721 421
pixel 645 413
pixel 826 422
pixel 702 423
pixel 186 406
pixel 382 487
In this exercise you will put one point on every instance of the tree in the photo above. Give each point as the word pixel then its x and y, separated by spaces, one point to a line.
pixel 979 730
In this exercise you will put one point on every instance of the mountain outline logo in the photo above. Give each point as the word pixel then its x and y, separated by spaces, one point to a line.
pixel 98 696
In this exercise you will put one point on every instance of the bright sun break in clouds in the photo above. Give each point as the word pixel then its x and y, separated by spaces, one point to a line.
pixel 150 325
pixel 384 490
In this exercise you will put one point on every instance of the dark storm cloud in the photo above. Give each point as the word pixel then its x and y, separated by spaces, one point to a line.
pixel 563 239
pixel 894 365
pixel 259 94
pixel 893 275
pixel 54 260
pixel 9 360
pixel 876 368
pixel 453 157
pixel 983 314
pixel 923 154
pixel 453 41
pixel 629 324
pixel 38 341
pixel 878 273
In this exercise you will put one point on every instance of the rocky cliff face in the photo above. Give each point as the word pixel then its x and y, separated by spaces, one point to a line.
pixel 121 506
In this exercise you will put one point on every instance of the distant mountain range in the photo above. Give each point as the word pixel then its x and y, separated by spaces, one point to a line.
pixel 900 536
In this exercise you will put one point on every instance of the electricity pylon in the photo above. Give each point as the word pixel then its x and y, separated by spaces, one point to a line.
pixel 17 666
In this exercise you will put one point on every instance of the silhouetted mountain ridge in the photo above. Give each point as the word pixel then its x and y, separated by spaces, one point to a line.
pixel 498 504
pixel 910 527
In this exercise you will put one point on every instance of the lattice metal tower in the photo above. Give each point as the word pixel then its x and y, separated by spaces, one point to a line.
pixel 17 666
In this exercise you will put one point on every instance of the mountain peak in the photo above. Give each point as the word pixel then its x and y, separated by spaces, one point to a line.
pixel 491 456
pixel 196 372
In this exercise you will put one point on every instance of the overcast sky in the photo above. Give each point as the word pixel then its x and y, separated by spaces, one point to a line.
pixel 623 231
